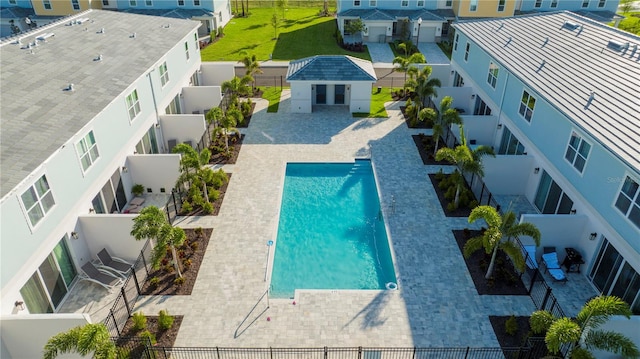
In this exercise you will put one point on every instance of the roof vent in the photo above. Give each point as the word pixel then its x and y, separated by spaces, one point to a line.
pixel 570 25
pixel 84 19
pixel 101 31
pixel 167 26
pixel 508 41
pixel 133 36
pixel 541 65
pixel 69 88
pixel 546 41
pixel 45 36
pixel 501 26
pixel 99 58
pixel 592 96
pixel 617 46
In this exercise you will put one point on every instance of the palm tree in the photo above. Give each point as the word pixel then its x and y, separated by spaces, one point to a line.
pixel 238 85
pixel 82 340
pixel 423 85
pixel 213 116
pixel 228 124
pixel 197 161
pixel 427 113
pixel 404 63
pixel 583 331
pixel 252 66
pixel 446 117
pixel 498 236
pixel 152 224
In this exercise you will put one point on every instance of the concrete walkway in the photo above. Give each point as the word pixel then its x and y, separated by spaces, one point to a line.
pixel 436 304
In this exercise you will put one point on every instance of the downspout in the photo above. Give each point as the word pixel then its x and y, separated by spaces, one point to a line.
pixel 155 108
pixel 504 90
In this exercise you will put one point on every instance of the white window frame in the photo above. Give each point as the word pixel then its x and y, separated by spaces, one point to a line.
pixel 554 4
pixel 448 3
pixel 133 105
pixel 148 2
pixel 602 3
pixel 75 4
pixel 186 49
pixel 356 3
pixel 467 49
pixel 523 111
pixel 404 3
pixel 494 72
pixel 537 4
pixel 86 149
pixel 39 197
pixel 196 3
pixel 373 3
pixel 181 3
pixel 164 73
pixel 576 151
pixel 105 2
pixel 633 200
pixel 455 42
pixel 473 5
pixel 420 3
pixel 133 3
pixel 13 2
pixel 46 4
pixel 585 4
pixel 502 4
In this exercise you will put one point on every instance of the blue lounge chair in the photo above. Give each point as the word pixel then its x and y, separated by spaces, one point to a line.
pixel 550 259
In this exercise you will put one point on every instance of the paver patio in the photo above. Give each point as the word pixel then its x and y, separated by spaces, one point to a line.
pixel 436 297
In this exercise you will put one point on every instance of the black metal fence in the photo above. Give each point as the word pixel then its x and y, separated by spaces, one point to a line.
pixel 132 347
pixel 270 81
pixel 122 308
pixel 340 353
pixel 174 205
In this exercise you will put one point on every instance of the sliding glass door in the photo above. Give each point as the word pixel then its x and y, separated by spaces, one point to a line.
pixel 111 197
pixel 550 199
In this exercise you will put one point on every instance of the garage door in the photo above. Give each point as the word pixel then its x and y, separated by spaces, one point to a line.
pixel 427 34
pixel 377 33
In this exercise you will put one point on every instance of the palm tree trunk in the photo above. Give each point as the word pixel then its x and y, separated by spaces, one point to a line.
pixel 176 263
pixel 457 198
pixel 206 193
pixel 437 143
pixel 492 263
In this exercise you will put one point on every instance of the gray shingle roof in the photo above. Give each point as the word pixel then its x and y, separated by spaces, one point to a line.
pixel 174 13
pixel 576 62
pixel 37 116
pixel 331 68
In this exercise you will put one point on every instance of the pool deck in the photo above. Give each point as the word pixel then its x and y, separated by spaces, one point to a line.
pixel 437 304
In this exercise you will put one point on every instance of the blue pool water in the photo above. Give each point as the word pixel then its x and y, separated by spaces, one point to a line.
pixel 331 233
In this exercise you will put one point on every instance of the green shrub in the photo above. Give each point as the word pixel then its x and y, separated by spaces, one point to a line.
pixel 220 31
pixel 451 193
pixel 219 179
pixel 214 194
pixel 186 263
pixel 511 326
pixel 199 231
pixel 207 207
pixel 168 268
pixel 197 199
pixel 179 281
pixel 194 246
pixel 165 321
pixel 443 184
pixel 123 353
pixel 440 175
pixel 139 321
pixel 148 335
pixel 186 207
pixel 473 204
pixel 451 207
pixel 154 282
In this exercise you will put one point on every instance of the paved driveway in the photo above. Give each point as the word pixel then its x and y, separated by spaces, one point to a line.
pixel 380 53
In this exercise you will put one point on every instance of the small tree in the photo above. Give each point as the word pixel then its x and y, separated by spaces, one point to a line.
pixel 152 224
pixel 354 26
pixel 282 5
pixel 86 339
pixel 238 86
pixel 275 22
pixel 626 5
pixel 446 117
pixel 404 63
pixel 583 331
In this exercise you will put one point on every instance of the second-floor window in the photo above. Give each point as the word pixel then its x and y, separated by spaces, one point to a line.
pixel 420 3
pixel 585 3
pixel 180 2
pixel 448 3
pixel 373 3
pixel 148 2
pixel 602 3
pixel 554 4
pixel 628 201
pixel 133 104
pixel 492 78
pixel 527 104
pixel 164 74
pixel 75 4
pixel 455 42
pixel 105 2
pixel 356 2
pixel 404 3
pixel 501 5
pixel 186 49
pixel 196 2
pixel 133 3
pixel 87 150
pixel 538 4
pixel 577 152
pixel 473 5
pixel 46 4
pixel 466 52
pixel 38 200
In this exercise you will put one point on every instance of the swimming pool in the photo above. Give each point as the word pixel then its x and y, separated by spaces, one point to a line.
pixel 331 233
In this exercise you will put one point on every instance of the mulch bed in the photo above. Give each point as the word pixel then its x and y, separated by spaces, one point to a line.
pixel 505 279
pixel 458 212
pixel 218 158
pixel 165 285
pixel 216 205
pixel 519 339
pixel 164 339
pixel 423 124
pixel 425 147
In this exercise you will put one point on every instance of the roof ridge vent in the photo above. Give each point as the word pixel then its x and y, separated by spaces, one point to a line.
pixel 500 27
pixel 546 41
pixel 541 65
pixel 617 45
pixel 592 97
pixel 508 41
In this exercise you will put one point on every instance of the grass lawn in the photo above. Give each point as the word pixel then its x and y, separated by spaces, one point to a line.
pixel 302 34
pixel 631 23
pixel 273 95
pixel 377 103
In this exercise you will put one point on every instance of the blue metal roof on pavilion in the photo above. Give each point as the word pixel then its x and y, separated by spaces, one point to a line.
pixel 331 68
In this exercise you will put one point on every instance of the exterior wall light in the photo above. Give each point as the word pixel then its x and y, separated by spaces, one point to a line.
pixel 536 170
pixel 19 305
pixel 593 236
pixel 74 235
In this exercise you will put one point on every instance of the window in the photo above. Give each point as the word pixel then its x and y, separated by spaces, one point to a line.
pixel 186 49
pixel 38 200
pixel 111 198
pixel 174 106
pixel 88 151
pixel 75 4
pixel 196 2
pixel 510 145
pixel 577 151
pixel 148 2
pixel 373 3
pixel 458 81
pixel 492 78
pixel 13 2
pixel 550 199
pixel 466 52
pixel 105 2
pixel 164 74
pixel 501 5
pixel 420 3
pixel 148 143
pixel 404 3
pixel 602 3
pixel 448 3
pixel 133 105
pixel 46 4
pixel 527 105
pixel 554 4
pixel 481 108
pixel 473 5
pixel 455 43
pixel 628 201
pixel 538 4
pixel 180 2
pixel 356 2
pixel 133 2
pixel 585 3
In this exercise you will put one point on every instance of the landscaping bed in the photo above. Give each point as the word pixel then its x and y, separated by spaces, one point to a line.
pixel 505 279
pixel 247 119
pixel 425 147
pixel 217 204
pixel 423 124
pixel 134 348
pixel 462 211
pixel 518 338
pixel 219 158
pixel 193 250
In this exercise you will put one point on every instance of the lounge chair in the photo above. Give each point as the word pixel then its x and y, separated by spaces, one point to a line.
pixel 100 276
pixel 530 256
pixel 120 266
pixel 550 259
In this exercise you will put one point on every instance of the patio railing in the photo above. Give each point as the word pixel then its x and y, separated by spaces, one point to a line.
pixel 122 308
